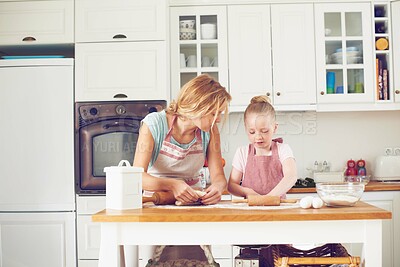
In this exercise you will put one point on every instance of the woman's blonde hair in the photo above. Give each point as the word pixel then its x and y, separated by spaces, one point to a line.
pixel 261 105
pixel 199 97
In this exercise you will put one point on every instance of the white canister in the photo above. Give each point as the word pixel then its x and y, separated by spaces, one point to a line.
pixel 123 186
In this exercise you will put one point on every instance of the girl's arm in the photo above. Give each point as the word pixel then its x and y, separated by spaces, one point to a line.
pixel 289 178
pixel 234 186
pixel 217 175
pixel 143 154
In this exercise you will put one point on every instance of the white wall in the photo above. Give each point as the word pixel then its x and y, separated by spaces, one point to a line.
pixel 334 137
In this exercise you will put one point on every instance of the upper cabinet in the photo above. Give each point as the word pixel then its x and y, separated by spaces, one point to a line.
pixel 344 50
pixel 121 50
pixel 395 10
pixel 198 45
pixel 121 71
pixel 36 22
pixel 250 68
pixel 120 20
pixel 272 52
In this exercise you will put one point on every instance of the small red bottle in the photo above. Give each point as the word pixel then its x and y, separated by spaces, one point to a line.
pixel 351 168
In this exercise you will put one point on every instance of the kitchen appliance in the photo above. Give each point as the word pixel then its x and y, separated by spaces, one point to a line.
pixel 105 134
pixel 37 200
pixel 387 168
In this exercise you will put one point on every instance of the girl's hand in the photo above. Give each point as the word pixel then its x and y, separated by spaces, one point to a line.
pixel 183 192
pixel 249 191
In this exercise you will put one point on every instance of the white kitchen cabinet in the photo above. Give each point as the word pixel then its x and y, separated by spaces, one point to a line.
pixel 344 47
pixel 44 239
pixel 121 71
pixel 389 200
pixel 271 51
pixel 395 9
pixel 36 22
pixel 120 20
pixel 250 63
pixel 197 47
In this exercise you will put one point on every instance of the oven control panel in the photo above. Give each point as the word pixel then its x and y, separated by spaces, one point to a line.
pixel 94 111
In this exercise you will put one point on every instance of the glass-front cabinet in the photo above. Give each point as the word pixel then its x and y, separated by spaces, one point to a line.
pixel 198 45
pixel 344 53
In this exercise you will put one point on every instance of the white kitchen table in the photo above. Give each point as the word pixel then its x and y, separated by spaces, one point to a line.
pixel 361 223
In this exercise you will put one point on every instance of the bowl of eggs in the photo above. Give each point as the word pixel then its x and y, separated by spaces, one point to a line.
pixel 341 193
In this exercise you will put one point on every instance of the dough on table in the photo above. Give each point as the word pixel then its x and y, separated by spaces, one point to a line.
pixel 199 194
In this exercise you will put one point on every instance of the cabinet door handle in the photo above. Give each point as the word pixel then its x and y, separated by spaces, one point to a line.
pixel 322 93
pixel 120 96
pixel 278 93
pixel 268 94
pixel 29 39
pixel 119 36
pixel 397 92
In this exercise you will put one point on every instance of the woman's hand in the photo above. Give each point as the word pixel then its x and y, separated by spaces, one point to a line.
pixel 183 192
pixel 212 196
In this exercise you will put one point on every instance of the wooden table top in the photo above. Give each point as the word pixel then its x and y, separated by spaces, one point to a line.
pixel 370 187
pixel 361 211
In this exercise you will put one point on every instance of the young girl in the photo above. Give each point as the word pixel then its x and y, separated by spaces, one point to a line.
pixel 266 166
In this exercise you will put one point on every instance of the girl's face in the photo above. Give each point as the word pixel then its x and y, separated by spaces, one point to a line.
pixel 260 129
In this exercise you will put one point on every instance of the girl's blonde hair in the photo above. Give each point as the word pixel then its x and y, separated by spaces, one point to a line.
pixel 261 105
pixel 199 97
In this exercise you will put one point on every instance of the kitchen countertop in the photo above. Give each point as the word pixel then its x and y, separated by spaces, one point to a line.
pixel 370 187
pixel 361 211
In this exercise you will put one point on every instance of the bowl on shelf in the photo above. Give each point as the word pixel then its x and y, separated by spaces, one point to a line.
pixel 358 179
pixel 188 24
pixel 187 34
pixel 340 194
pixel 208 31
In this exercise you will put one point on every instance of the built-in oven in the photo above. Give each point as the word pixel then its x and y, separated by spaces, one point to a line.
pixel 105 134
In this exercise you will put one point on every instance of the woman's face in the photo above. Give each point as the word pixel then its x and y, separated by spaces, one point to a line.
pixel 206 122
pixel 260 129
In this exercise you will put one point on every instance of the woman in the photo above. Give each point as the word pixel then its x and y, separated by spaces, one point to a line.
pixel 173 144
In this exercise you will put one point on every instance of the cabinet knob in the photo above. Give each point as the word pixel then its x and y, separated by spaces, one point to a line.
pixel 397 92
pixel 268 94
pixel 322 92
pixel 29 39
pixel 278 93
pixel 119 36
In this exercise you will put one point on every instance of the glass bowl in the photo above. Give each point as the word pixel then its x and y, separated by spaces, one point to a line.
pixel 340 194
pixel 358 179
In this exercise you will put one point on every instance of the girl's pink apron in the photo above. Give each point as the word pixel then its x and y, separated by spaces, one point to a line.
pixel 263 173
pixel 179 163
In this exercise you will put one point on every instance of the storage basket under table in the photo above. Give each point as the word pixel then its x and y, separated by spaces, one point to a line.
pixel 322 256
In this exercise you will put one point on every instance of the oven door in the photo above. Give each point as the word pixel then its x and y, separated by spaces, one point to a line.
pixel 103 144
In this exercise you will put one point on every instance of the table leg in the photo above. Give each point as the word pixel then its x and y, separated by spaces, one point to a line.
pixel 372 249
pixel 109 247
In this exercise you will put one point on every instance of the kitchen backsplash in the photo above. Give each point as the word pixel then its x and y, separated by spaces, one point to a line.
pixel 332 137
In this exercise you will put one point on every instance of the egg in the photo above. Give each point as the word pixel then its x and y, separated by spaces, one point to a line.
pixel 306 202
pixel 317 203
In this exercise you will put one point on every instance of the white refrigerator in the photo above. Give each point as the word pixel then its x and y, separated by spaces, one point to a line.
pixel 37 200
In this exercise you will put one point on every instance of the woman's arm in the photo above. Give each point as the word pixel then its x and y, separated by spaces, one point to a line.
pixel 217 175
pixel 289 178
pixel 143 154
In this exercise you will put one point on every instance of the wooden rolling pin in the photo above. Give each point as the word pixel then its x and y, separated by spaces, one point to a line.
pixel 161 198
pixel 258 200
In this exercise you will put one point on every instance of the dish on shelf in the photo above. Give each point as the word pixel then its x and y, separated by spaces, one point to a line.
pixel 187 36
pixel 187 24
pixel 187 30
pixel 351 56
